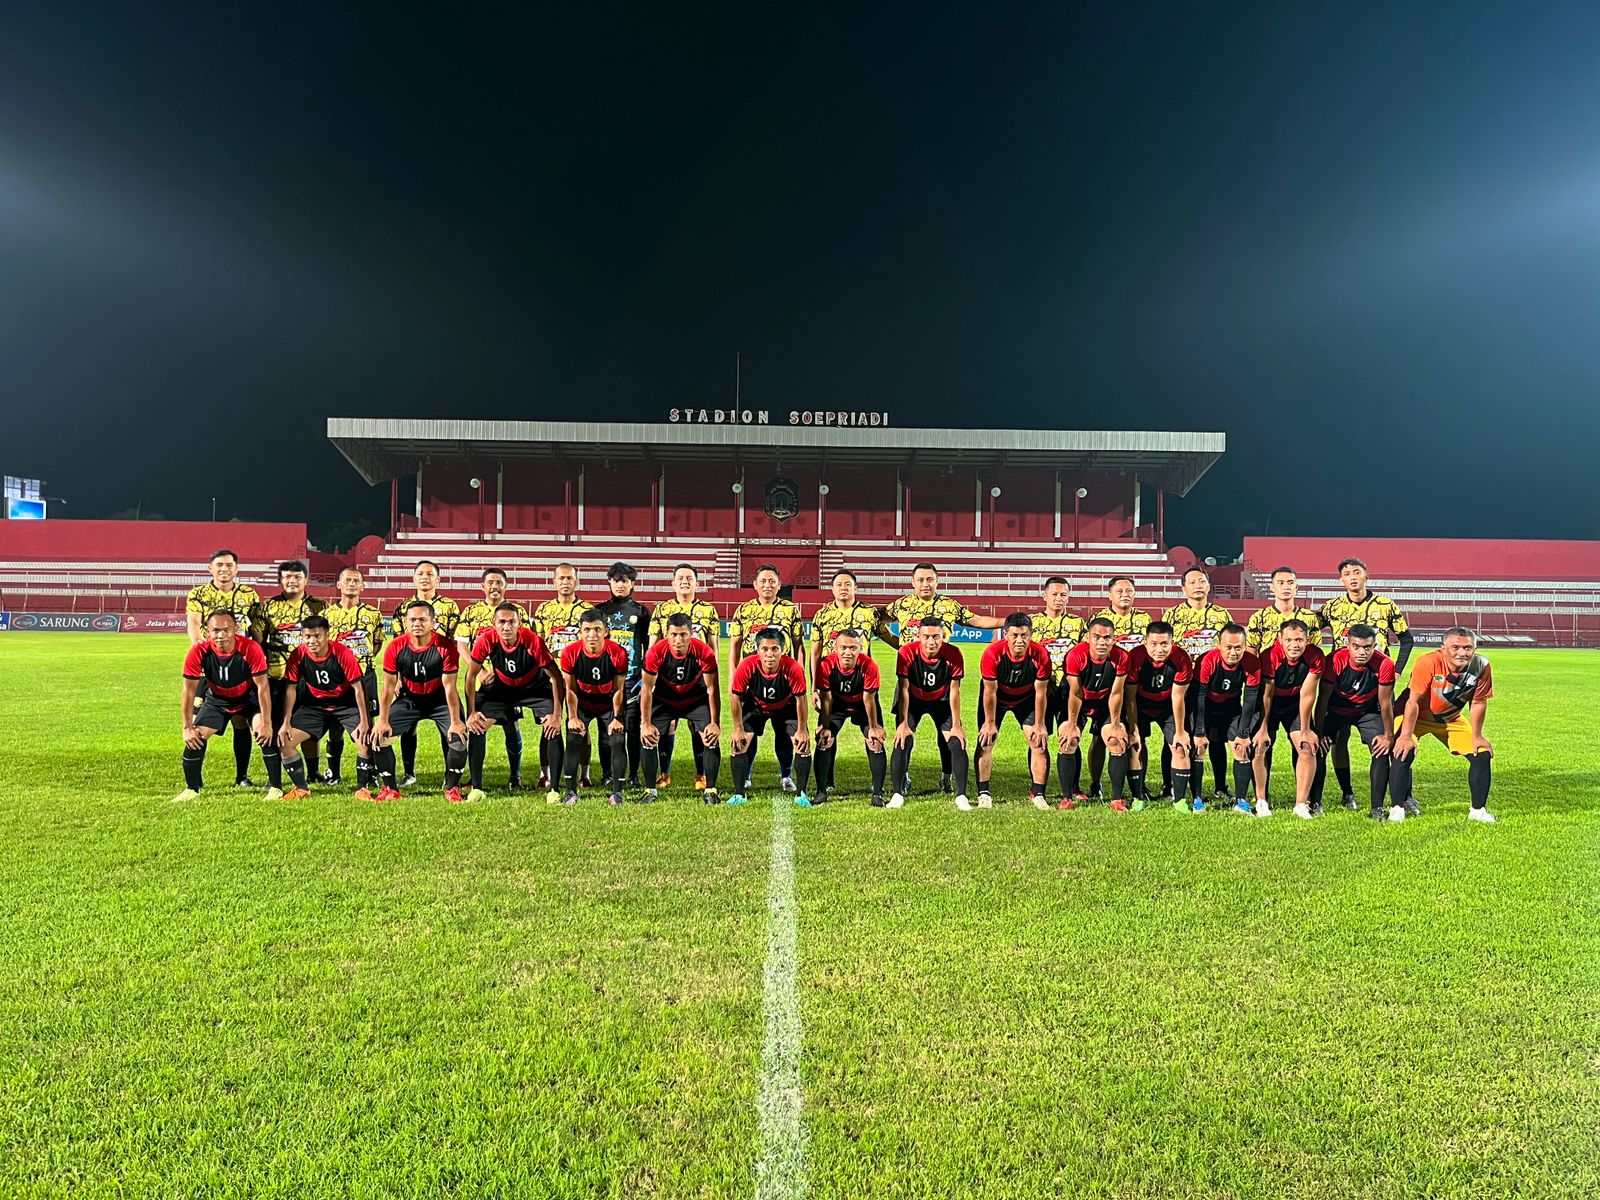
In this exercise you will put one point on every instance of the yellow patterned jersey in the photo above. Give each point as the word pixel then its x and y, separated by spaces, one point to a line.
pixel 1382 613
pixel 1265 624
pixel 361 628
pixel 829 621
pixel 283 617
pixel 1128 627
pixel 910 610
pixel 479 615
pixel 1196 629
pixel 704 622
pixel 242 600
pixel 446 612
pixel 751 617
pixel 1058 635
pixel 557 623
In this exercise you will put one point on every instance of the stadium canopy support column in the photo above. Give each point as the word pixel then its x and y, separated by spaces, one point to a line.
pixel 1077 517
pixel 1056 534
pixel 582 480
pixel 655 501
pixel 1161 517
pixel 977 506
pixel 500 498
pixel 419 495
pixel 905 490
pixel 566 504
pixel 482 500
pixel 822 518
pixel 394 506
pixel 1136 506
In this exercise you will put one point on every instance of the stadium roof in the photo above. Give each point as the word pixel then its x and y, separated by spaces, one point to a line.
pixel 385 448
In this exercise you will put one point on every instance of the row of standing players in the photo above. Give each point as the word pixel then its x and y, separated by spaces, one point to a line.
pixel 545 662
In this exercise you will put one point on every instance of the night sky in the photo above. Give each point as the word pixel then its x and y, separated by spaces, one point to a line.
pixel 1361 239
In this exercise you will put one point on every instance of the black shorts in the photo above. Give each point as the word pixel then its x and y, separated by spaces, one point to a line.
pixel 405 714
pixel 840 717
pixel 1368 724
pixel 1286 719
pixel 369 684
pixel 1224 723
pixel 1163 719
pixel 504 706
pixel 604 715
pixel 216 714
pixel 697 712
pixel 320 720
pixel 1023 710
pixel 939 710
pixel 1092 715
pixel 787 718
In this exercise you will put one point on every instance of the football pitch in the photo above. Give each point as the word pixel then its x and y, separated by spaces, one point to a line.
pixel 233 997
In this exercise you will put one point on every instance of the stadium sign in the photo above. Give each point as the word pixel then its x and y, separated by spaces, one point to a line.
pixel 132 624
pixel 66 622
pixel 848 418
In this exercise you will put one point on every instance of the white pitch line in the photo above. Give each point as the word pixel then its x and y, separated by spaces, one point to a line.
pixel 781 1169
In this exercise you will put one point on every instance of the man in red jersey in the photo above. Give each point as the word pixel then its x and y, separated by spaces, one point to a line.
pixel 1094 672
pixel 419 684
pixel 679 683
pixel 235 672
pixel 1357 692
pixel 1448 699
pixel 1227 690
pixel 1014 678
pixel 848 682
pixel 323 696
pixel 518 673
pixel 930 672
pixel 1291 669
pixel 595 670
pixel 769 686
pixel 1156 696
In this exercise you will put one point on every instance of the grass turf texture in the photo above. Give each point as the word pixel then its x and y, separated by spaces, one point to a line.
pixel 233 997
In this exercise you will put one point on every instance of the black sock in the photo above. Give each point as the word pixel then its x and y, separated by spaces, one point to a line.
pixel 651 762
pixel 571 755
pixel 1478 773
pixel 309 753
pixel 1166 769
pixel 699 749
pixel 1218 749
pixel 802 771
pixel 944 756
pixel 194 762
pixel 477 751
pixel 901 763
pixel 1119 773
pixel 408 752
pixel 455 761
pixel 335 755
pixel 741 770
pixel 513 732
pixel 553 755
pixel 242 741
pixel 383 765
pixel 1342 774
pixel 274 761
pixel 824 761
pixel 1400 776
pixel 363 771
pixel 617 757
pixel 1180 785
pixel 1069 770
pixel 1136 783
pixel 296 767
pixel 1197 777
pixel 711 764
pixel 1319 778
pixel 878 764
pixel 1378 776
pixel 664 755
pixel 1243 780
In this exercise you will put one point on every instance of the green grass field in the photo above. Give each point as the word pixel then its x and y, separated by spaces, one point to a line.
pixel 234 998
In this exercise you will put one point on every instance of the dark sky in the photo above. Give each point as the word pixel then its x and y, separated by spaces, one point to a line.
pixel 1361 239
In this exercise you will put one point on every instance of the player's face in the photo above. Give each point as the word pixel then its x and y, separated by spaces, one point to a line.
pixel 222 633
pixel 426 577
pixel 844 591
pixel 1158 646
pixel 924 583
pixel 931 637
pixel 224 570
pixel 1121 595
pixel 1285 587
pixel 767 586
pixel 1017 640
pixel 292 583
pixel 350 585
pixel 593 634
pixel 494 587
pixel 1232 647
pixel 507 625
pixel 1458 652
pixel 684 584
pixel 1360 650
pixel 1354 578
pixel 678 637
pixel 849 651
pixel 316 641
pixel 566 582
pixel 1056 598
pixel 1100 639
pixel 769 652
pixel 1293 642
pixel 1197 588
pixel 621 589
pixel 419 624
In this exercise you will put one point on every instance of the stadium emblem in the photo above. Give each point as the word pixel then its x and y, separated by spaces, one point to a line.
pixel 782 498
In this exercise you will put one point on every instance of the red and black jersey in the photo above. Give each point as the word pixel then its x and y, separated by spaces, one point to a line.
pixel 1154 681
pixel 595 676
pixel 521 666
pixel 1225 685
pixel 325 680
pixel 769 693
pixel 679 679
pixel 1287 678
pixel 929 679
pixel 229 676
pixel 1014 678
pixel 1355 689
pixel 1095 679
pixel 422 671
pixel 849 688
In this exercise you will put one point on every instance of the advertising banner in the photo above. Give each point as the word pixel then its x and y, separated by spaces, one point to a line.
pixel 65 622
pixel 143 623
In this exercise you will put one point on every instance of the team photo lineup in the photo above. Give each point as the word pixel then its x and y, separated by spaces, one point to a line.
pixel 618 680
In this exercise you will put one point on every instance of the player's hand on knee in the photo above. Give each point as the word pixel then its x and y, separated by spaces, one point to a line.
pixel 193 737
pixel 1381 743
pixel 741 741
pixel 824 738
pixel 649 735
pixel 1241 748
pixel 801 742
pixel 902 733
pixel 987 734
pixel 875 739
pixel 457 732
pixel 551 724
pixel 477 723
pixel 575 725
pixel 1482 745
pixel 1404 746
pixel 958 735
pixel 263 731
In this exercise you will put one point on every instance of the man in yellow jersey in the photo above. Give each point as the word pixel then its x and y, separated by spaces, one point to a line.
pixel 477 618
pixel 226 594
pixel 1128 626
pixel 1266 623
pixel 556 621
pixel 446 613
pixel 283 614
pixel 768 610
pixel 1196 624
pixel 360 627
pixel 706 626
pixel 846 612
pixel 925 600
pixel 1361 606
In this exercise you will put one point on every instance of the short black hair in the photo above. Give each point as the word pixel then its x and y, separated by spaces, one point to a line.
pixel 678 621
pixel 1019 620
pixel 769 635
pixel 593 616
pixel 222 612
pixel 1116 579
pixel 1105 621
pixel 842 571
pixel 350 568
pixel 852 632
pixel 1363 632
pixel 1351 562
pixel 930 622
pixel 1159 627
pixel 1061 579
pixel 622 570
pixel 1276 571
pixel 1233 627
pixel 507 606
pixel 424 562
pixel 488 571
pixel 290 564
pixel 1191 569
pixel 768 567
pixel 216 554
pixel 315 621
pixel 924 566
pixel 1295 623
pixel 419 604
pixel 689 567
